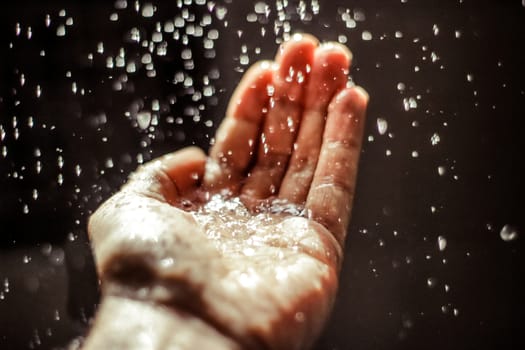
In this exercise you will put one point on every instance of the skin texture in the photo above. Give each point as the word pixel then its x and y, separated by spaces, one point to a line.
pixel 178 274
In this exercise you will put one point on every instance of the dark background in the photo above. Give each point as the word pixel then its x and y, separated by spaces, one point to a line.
pixel 65 151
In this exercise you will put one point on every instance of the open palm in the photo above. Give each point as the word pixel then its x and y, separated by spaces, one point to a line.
pixel 247 241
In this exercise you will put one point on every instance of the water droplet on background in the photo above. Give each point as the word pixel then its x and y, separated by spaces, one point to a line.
pixel 366 35
pixel 442 243
pixel 434 140
pixel 508 233
pixel 431 282
pixel 382 126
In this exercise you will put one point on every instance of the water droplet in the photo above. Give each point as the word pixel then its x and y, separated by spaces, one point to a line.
pixel 441 170
pixel 508 233
pixel 435 29
pixel 415 154
pixel 221 12
pixel 61 30
pixel 121 4
pixel 26 259
pixel 382 126
pixel 100 47
pixel 409 103
pixel 442 243
pixel 366 35
pixel 144 119
pixel 470 77
pixel 60 162
pixel 431 282
pixel 57 256
pixel 434 140
pixel 148 10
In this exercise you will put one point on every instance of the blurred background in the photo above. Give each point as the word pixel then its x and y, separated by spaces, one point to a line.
pixel 435 252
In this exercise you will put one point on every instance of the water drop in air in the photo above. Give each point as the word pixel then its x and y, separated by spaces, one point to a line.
pixel 382 126
pixel 366 35
pixel 434 140
pixel 144 119
pixel 508 233
pixel 442 243
pixel 61 30
pixel 147 10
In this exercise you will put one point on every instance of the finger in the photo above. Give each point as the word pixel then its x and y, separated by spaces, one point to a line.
pixel 329 74
pixel 280 128
pixel 237 135
pixel 329 200
pixel 169 176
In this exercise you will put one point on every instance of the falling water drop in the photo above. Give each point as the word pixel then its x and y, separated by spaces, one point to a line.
pixel 61 30
pixel 442 243
pixel 147 10
pixel 382 126
pixel 144 119
pixel 508 233
pixel 366 35
pixel 434 140
pixel 431 282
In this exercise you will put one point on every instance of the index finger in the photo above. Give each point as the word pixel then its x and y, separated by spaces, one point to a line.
pixel 329 200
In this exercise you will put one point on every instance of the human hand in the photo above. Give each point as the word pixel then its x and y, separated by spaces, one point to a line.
pixel 240 249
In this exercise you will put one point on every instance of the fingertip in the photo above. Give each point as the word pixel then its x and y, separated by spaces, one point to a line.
pixel 335 50
pixel 296 52
pixel 364 97
pixel 304 37
pixel 185 167
pixel 351 98
pixel 260 69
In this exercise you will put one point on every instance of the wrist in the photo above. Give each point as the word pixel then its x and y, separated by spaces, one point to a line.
pixel 124 323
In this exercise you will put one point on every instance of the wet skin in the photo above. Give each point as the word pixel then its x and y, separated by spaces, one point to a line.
pixel 292 134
